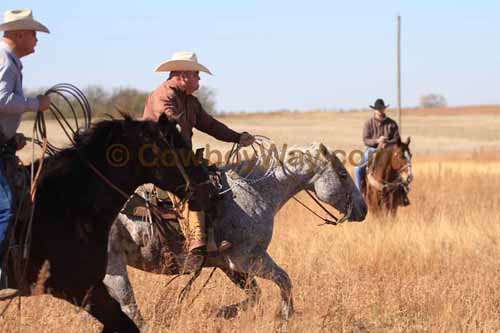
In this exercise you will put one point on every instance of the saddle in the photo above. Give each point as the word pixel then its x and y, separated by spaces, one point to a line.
pixel 163 212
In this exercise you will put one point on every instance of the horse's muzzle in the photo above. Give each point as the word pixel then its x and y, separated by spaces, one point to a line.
pixel 359 211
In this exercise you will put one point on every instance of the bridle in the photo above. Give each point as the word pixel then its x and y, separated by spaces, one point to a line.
pixel 333 219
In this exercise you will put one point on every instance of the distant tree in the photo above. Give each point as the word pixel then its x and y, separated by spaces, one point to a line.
pixel 206 96
pixel 432 101
pixel 128 100
pixel 98 99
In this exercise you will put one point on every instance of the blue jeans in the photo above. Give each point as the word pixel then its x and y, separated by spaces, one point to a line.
pixel 360 170
pixel 6 205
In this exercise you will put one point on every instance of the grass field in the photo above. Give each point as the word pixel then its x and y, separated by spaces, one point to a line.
pixel 435 268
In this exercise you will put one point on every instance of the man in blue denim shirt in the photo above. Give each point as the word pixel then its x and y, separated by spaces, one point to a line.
pixel 378 132
pixel 19 40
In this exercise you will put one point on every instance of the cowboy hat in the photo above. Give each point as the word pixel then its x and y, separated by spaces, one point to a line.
pixel 182 61
pixel 379 105
pixel 21 19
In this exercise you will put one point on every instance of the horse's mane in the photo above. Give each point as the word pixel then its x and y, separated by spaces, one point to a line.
pixel 89 142
pixel 105 130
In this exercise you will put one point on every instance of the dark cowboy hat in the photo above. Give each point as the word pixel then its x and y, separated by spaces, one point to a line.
pixel 379 105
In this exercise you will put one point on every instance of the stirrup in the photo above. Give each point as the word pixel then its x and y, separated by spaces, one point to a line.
pixel 224 246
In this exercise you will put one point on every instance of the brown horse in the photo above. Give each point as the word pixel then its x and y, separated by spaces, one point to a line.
pixel 80 192
pixel 386 189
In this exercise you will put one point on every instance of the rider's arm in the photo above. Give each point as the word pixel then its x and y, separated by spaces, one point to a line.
pixel 368 138
pixel 208 124
pixel 10 101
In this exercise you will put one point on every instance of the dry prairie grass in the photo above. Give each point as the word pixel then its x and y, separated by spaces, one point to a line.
pixel 435 268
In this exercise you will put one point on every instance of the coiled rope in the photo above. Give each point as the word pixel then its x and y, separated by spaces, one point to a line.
pixel 72 111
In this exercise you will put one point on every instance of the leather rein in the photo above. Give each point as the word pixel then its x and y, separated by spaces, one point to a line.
pixel 335 220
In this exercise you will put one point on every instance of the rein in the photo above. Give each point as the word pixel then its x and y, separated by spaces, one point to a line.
pixel 336 220
pixel 382 185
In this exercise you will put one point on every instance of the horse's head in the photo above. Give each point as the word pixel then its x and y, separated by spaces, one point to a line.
pixel 158 154
pixel 401 159
pixel 333 185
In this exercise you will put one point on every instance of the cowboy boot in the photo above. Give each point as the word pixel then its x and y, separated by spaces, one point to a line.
pixel 197 242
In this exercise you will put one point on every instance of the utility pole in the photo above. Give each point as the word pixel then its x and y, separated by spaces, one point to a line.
pixel 399 75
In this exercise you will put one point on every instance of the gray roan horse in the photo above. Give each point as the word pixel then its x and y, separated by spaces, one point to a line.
pixel 246 219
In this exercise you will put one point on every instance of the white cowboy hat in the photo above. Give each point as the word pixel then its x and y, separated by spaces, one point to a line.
pixel 182 61
pixel 21 19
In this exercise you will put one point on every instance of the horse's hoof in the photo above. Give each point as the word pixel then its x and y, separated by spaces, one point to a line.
pixel 228 312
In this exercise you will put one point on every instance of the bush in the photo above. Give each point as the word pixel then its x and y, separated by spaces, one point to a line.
pixel 432 101
pixel 206 96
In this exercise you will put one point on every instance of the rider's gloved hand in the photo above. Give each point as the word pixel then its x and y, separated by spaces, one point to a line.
pixel 246 139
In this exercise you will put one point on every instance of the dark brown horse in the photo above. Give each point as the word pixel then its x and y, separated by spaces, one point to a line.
pixel 386 189
pixel 75 208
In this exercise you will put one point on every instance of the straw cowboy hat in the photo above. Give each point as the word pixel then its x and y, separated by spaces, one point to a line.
pixel 182 61
pixel 21 19
pixel 379 105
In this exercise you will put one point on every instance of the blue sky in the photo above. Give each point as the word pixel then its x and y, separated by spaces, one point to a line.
pixel 276 54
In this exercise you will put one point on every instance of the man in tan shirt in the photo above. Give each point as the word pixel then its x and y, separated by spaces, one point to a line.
pixel 174 97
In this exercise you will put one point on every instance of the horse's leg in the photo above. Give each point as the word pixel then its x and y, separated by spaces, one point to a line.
pixel 107 310
pixel 120 288
pixel 249 285
pixel 263 266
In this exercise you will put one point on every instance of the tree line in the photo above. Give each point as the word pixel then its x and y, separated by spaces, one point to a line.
pixel 105 102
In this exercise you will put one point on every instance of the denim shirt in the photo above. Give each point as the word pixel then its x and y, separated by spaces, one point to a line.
pixel 12 101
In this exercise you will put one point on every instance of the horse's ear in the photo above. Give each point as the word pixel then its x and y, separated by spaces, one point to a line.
pixel 408 140
pixel 165 124
pixel 125 115
pixel 323 149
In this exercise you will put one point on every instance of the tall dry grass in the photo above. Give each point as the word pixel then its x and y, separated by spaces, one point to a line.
pixel 434 268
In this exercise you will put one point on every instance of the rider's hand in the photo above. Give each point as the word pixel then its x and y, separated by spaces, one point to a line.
pixel 246 139
pixel 44 102
pixel 381 140
pixel 20 141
